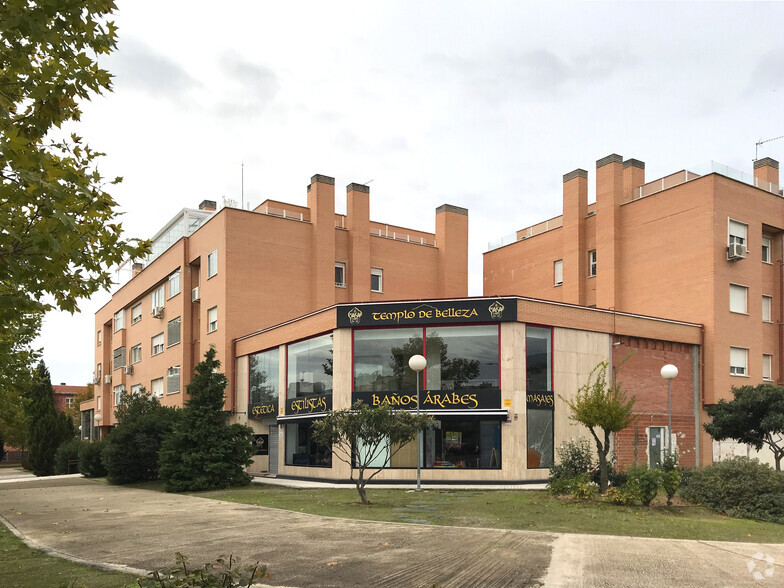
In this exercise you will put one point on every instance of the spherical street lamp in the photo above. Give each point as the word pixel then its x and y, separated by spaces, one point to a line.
pixel 668 372
pixel 418 363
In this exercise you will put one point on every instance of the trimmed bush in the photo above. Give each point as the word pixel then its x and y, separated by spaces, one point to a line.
pixel 575 458
pixel 642 483
pixel 738 487
pixel 90 462
pixel 68 451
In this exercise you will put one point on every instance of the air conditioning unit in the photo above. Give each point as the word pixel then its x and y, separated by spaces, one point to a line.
pixel 128 369
pixel 107 379
pixel 157 312
pixel 96 380
pixel 195 294
pixel 736 251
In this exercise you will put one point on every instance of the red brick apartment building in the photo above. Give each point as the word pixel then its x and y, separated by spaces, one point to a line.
pixel 65 396
pixel 214 276
pixel 702 246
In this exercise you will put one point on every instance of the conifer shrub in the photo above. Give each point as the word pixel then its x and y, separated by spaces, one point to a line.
pixel 47 428
pixel 90 459
pixel 68 451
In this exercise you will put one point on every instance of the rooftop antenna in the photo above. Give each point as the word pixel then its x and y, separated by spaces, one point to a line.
pixel 762 141
pixel 242 185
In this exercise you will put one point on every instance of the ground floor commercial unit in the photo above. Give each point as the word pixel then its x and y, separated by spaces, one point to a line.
pixel 499 375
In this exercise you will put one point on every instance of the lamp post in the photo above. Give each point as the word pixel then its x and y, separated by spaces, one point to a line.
pixel 418 363
pixel 668 372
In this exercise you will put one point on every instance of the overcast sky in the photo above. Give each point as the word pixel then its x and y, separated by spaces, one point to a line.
pixel 483 105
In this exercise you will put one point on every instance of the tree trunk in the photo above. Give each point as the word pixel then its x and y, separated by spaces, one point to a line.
pixel 778 455
pixel 602 451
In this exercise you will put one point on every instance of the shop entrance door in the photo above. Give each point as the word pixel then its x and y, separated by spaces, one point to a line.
pixel 655 446
pixel 273 449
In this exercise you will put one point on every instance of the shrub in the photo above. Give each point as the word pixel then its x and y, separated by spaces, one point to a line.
pixel 738 487
pixel 620 496
pixel 90 462
pixel 670 475
pixel 68 451
pixel 575 458
pixel 582 488
pixel 221 572
pixel 643 483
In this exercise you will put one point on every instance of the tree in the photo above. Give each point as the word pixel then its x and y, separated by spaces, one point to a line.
pixel 59 226
pixel 47 428
pixel 132 446
pixel 203 451
pixel 603 405
pixel 361 435
pixel 755 416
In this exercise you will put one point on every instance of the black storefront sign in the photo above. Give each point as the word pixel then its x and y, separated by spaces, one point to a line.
pixel 540 399
pixel 262 444
pixel 263 410
pixel 315 403
pixel 483 310
pixel 433 399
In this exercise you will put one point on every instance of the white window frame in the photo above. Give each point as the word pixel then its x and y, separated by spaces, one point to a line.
pixel 767 367
pixel 767 249
pixel 119 320
pixel 98 403
pixel 174 284
pixel 98 338
pixel 739 299
pixel 739 361
pixel 136 313
pixel 558 272
pixel 339 265
pixel 592 263
pixel 136 390
pixel 159 345
pixel 157 298
pixel 212 264
pixel 178 320
pixel 136 353
pixel 118 390
pixel 157 387
pixel 737 232
pixel 212 319
pixel 169 374
pixel 69 401
pixel 379 273
pixel 767 308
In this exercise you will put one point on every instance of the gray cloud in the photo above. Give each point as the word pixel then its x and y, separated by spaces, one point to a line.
pixel 137 66
pixel 255 87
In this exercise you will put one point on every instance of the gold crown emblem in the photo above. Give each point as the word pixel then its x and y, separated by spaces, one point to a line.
pixel 496 308
pixel 354 315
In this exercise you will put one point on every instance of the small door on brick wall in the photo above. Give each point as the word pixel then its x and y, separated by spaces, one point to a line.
pixel 656 436
pixel 273 449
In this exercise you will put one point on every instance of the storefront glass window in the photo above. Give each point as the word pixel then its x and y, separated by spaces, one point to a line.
pixel 539 418
pixel 538 361
pixel 310 367
pixel 463 444
pixel 381 359
pixel 302 449
pixel 462 358
pixel 264 376
pixel 540 438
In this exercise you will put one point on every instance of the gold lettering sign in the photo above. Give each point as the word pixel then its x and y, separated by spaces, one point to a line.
pixel 262 409
pixel 452 399
pixel 537 400
pixel 305 405
pixel 401 400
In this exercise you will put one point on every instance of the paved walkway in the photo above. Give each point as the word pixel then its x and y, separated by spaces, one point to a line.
pixel 142 529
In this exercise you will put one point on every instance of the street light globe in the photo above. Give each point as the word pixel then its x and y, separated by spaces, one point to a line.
pixel 669 371
pixel 98 418
pixel 417 363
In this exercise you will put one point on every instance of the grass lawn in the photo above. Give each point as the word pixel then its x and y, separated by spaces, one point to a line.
pixel 25 567
pixel 527 510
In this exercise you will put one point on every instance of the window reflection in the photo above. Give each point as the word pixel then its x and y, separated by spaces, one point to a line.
pixel 381 359
pixel 264 377
pixel 462 358
pixel 310 367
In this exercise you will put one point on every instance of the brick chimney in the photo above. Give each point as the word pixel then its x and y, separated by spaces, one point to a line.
pixel 208 205
pixel 633 177
pixel 136 269
pixel 766 170
pixel 575 207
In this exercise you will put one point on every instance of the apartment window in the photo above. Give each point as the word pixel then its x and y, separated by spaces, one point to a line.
pixel 157 344
pixel 212 264
pixel 118 357
pixel 136 314
pixel 157 298
pixel 173 332
pixel 174 284
pixel 592 262
pixel 340 274
pixel 767 308
pixel 118 390
pixel 136 353
pixel 212 319
pixel 119 320
pixel 173 380
pixel 376 279
pixel 766 249
pixel 98 373
pixel 136 390
pixel 157 387
pixel 98 403
pixel 736 232
pixel 739 358
pixel 98 338
pixel 738 298
pixel 69 401
pixel 767 367
pixel 558 272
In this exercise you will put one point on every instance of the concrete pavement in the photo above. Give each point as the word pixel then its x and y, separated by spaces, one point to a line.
pixel 142 529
